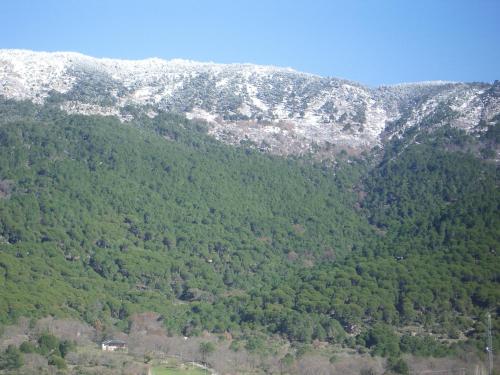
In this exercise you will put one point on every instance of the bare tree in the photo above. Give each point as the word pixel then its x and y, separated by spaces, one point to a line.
pixel 66 329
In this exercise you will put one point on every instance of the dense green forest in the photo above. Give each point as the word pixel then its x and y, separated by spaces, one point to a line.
pixel 100 219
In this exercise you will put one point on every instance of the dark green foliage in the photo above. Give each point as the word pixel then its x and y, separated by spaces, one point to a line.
pixel 106 213
pixel 206 348
pixel 28 347
pixel 383 341
pixel 255 343
pixel 398 365
pixel 439 212
pixel 48 344
pixel 65 346
pixel 11 358
pixel 104 219
pixel 424 346
pixel 493 132
pixel 287 360
pixel 57 361
pixel 54 349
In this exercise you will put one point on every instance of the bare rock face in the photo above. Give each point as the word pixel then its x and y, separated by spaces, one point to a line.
pixel 275 109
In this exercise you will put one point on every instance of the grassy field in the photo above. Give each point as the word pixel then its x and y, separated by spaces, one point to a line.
pixel 162 370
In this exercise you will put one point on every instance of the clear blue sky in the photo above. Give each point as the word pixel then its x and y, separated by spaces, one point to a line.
pixel 373 42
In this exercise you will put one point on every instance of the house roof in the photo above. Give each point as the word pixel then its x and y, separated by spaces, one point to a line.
pixel 114 342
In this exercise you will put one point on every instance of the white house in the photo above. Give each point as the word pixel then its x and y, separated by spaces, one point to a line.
pixel 112 345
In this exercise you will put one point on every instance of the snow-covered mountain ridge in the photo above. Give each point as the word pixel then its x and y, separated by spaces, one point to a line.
pixel 276 109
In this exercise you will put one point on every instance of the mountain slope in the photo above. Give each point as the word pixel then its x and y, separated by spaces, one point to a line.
pixel 100 219
pixel 275 109
pixel 152 212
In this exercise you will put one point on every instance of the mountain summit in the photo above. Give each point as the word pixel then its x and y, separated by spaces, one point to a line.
pixel 275 109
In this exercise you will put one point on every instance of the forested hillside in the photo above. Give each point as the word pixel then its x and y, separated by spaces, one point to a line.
pixel 100 219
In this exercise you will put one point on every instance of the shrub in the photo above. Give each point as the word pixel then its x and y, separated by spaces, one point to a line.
pixel 398 365
pixel 12 358
pixel 57 361
pixel 27 347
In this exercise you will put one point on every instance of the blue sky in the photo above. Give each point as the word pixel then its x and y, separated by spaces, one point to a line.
pixel 373 41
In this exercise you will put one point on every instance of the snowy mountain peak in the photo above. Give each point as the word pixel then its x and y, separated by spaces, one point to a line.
pixel 276 109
